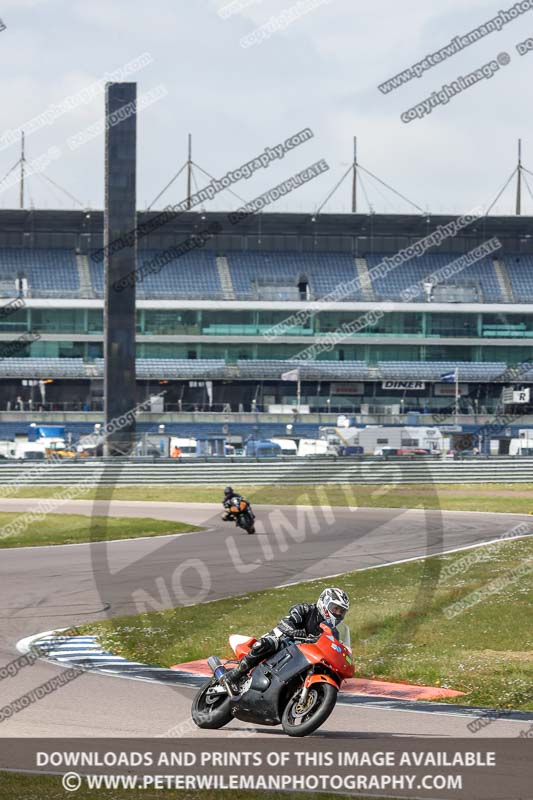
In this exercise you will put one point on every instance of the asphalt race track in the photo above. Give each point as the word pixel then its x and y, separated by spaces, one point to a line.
pixel 44 588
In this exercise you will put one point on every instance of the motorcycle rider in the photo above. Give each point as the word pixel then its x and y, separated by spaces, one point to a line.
pixel 302 622
pixel 232 500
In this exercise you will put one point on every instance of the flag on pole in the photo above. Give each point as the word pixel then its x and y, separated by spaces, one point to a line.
pixel 449 377
pixel 292 375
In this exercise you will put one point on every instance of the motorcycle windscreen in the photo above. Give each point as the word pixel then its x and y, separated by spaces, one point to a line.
pixel 343 632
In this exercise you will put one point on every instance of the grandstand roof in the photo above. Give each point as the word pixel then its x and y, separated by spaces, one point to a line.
pixel 16 222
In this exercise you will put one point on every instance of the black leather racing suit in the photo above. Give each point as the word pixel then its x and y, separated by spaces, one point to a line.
pixel 302 621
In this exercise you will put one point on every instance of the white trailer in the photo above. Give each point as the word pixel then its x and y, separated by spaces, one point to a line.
pixel 523 444
pixel 187 446
pixel 7 449
pixel 312 447
pixel 415 437
pixel 288 446
pixel 25 449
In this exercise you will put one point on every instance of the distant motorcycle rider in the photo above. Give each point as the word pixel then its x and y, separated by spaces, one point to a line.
pixel 302 622
pixel 232 500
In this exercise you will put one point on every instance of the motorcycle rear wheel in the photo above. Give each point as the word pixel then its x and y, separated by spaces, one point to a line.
pixel 207 714
pixel 298 721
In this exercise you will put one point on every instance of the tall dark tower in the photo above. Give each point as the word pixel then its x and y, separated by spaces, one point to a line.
pixel 119 312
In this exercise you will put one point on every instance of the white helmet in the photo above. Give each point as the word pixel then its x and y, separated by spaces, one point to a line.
pixel 333 605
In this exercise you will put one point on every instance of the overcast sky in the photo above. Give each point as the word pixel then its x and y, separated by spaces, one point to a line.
pixel 321 72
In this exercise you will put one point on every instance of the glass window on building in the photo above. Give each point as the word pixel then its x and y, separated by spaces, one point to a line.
pixel 229 323
pixel 511 355
pixel 42 349
pixel 15 321
pixel 170 322
pixel 95 320
pixel 288 322
pixel 512 326
pixel 393 352
pixel 450 353
pixel 58 320
pixel 451 325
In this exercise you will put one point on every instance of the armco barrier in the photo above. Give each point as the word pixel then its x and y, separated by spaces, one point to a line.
pixel 272 471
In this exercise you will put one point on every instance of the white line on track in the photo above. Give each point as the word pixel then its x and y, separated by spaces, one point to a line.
pixel 114 541
pixel 407 560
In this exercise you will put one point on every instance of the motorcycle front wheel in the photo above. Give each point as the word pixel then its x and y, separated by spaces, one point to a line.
pixel 211 710
pixel 301 719
pixel 246 523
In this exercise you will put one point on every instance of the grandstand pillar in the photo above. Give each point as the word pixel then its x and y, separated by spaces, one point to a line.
pixel 120 262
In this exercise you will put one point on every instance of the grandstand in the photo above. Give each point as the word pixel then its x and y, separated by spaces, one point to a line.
pixel 520 271
pixel 51 272
pixel 320 272
pixel 54 273
pixel 218 327
pixel 482 274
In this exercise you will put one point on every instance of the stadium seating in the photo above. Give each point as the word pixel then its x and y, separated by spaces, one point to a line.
pixel 51 272
pixel 520 271
pixel 196 275
pixel 309 370
pixel 324 271
pixel 147 368
pixel 413 272
pixel 175 368
pixel 42 368
pixel 433 370
pixel 193 275
pixel 253 369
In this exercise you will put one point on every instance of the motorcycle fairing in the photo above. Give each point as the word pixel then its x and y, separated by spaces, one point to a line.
pixel 241 645
pixel 287 662
pixel 334 654
pixel 320 678
pixel 269 680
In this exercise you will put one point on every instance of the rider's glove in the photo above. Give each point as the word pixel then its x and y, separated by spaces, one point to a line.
pixel 298 633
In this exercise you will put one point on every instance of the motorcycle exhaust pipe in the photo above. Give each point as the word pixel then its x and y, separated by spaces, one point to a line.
pixel 217 667
pixel 219 671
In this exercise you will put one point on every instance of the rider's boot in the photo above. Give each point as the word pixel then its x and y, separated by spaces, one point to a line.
pixel 265 646
pixel 244 666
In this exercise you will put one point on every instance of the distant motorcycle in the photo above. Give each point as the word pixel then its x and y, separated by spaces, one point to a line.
pixel 243 515
pixel 296 687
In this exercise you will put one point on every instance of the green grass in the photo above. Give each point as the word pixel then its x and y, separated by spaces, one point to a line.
pixel 498 497
pixel 75 528
pixel 35 787
pixel 399 630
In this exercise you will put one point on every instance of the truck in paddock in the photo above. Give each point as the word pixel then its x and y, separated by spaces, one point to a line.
pixel 385 439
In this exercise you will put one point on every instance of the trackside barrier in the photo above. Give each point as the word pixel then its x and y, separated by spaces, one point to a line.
pixel 271 471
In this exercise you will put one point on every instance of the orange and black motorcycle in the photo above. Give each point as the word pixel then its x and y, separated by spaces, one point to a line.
pixel 297 687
